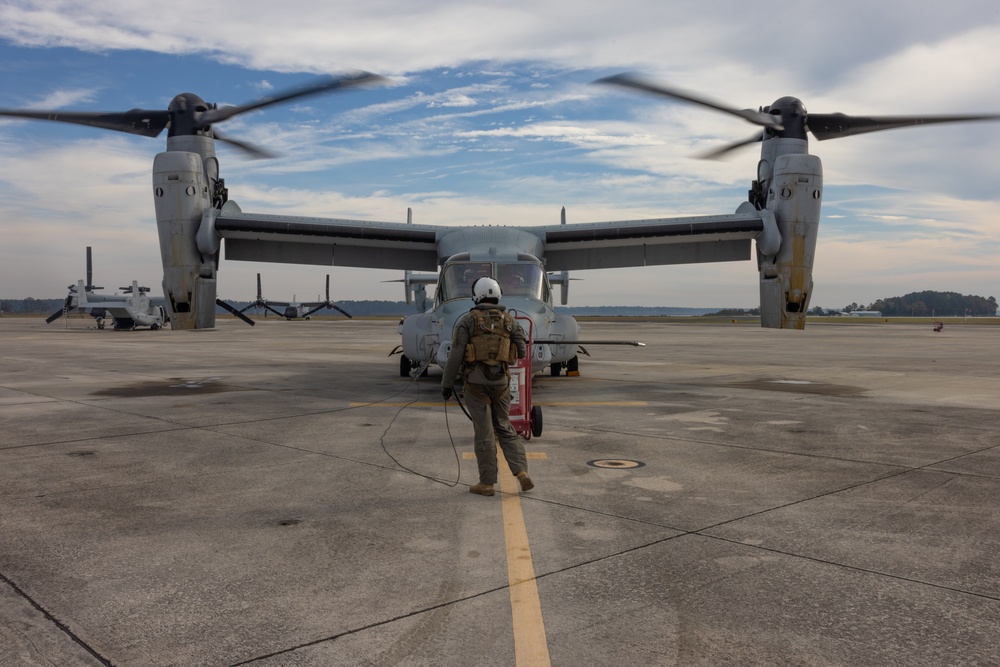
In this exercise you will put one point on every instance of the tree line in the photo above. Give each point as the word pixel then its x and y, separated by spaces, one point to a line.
pixel 931 304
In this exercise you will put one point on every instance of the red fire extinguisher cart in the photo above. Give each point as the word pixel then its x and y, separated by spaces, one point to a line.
pixel 524 417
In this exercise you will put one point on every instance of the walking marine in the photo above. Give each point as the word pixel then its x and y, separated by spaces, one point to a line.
pixel 486 340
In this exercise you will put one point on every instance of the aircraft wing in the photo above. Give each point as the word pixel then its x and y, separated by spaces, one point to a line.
pixel 389 245
pixel 327 241
pixel 605 245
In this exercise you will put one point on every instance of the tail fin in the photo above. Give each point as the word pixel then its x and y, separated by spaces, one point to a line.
pixel 81 294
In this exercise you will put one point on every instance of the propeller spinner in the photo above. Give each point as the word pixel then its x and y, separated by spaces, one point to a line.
pixel 188 114
pixel 787 117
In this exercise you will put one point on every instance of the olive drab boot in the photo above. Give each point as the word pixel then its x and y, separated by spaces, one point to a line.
pixel 482 489
pixel 526 483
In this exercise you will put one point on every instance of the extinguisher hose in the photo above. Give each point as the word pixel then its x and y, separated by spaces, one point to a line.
pixel 454 447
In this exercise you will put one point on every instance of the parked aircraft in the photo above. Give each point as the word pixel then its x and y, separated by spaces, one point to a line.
pixel 290 310
pixel 133 308
pixel 194 214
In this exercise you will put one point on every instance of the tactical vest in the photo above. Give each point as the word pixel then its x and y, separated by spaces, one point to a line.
pixel 490 339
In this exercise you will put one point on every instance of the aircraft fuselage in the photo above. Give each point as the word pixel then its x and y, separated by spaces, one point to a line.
pixel 426 337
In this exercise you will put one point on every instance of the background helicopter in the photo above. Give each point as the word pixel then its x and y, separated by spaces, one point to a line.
pixel 131 309
pixel 192 204
pixel 290 310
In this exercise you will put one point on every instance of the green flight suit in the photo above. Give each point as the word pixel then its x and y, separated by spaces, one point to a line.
pixel 487 397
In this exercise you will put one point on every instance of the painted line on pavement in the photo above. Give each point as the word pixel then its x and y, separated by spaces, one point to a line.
pixel 532 456
pixel 530 646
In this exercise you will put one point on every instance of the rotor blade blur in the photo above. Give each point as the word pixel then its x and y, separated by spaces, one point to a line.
pixel 54 316
pixel 836 125
pixel 326 85
pixel 137 121
pixel 253 151
pixel 719 153
pixel 632 81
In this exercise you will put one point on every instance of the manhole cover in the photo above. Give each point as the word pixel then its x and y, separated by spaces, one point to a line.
pixel 620 464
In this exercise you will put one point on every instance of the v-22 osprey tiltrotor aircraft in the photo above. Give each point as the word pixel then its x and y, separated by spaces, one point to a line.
pixel 289 310
pixel 194 214
pixel 133 308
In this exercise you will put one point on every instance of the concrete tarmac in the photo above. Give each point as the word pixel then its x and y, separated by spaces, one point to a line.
pixel 278 495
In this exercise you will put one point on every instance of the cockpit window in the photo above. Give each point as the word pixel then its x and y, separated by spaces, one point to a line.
pixel 520 280
pixel 456 283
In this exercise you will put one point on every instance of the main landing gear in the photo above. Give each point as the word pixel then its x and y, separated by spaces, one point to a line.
pixel 572 367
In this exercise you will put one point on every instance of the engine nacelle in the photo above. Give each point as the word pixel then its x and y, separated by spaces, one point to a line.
pixel 181 193
pixel 794 198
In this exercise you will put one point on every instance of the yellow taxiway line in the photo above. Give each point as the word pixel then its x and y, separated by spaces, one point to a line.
pixel 530 646
pixel 532 456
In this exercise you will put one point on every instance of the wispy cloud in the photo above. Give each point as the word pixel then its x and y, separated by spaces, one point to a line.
pixel 64 98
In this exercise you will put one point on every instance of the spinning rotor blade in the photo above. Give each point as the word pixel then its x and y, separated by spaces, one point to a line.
pixel 720 152
pixel 54 316
pixel 632 81
pixel 326 85
pixel 137 121
pixel 235 312
pixel 788 118
pixel 255 152
pixel 835 125
pixel 188 114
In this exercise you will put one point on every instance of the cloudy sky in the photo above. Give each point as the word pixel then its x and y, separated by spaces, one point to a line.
pixel 491 117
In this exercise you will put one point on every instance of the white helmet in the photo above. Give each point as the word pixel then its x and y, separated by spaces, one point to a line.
pixel 485 288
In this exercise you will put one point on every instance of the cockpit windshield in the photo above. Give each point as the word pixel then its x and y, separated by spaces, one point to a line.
pixel 521 279
pixel 456 281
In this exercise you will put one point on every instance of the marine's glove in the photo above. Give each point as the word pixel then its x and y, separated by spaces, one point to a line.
pixel 446 392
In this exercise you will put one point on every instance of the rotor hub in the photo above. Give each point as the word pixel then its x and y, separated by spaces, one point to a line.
pixel 185 116
pixel 793 117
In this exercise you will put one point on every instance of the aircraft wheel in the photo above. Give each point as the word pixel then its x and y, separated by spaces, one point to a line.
pixel 573 366
pixel 536 421
pixel 555 369
pixel 404 366
pixel 155 327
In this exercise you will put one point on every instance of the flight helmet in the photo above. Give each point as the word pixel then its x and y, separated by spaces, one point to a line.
pixel 485 288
